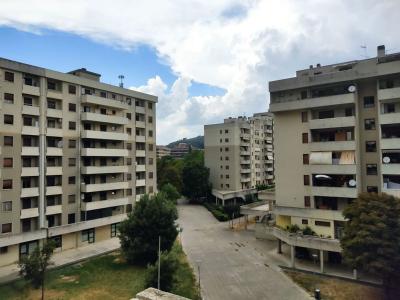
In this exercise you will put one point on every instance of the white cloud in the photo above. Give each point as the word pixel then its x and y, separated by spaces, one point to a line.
pixel 236 45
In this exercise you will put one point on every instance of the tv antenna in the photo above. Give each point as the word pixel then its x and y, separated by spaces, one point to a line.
pixel 364 47
pixel 121 80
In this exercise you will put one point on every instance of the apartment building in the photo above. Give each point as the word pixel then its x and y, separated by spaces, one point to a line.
pixel 75 155
pixel 337 134
pixel 239 154
pixel 180 150
pixel 163 151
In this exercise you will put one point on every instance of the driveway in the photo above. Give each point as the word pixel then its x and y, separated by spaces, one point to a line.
pixel 233 265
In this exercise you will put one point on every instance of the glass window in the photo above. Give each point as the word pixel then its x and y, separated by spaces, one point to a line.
pixel 306 179
pixel 57 241
pixel 28 101
pixel 304 117
pixel 8 98
pixel 114 229
pixel 372 169
pixel 323 223
pixel 7 184
pixel 72 89
pixel 306 159
pixel 72 143
pixel 71 199
pixel 7 162
pixel 9 76
pixel 6 228
pixel 370 146
pixel 369 124
pixel 88 235
pixel 72 125
pixel 9 119
pixel 71 218
pixel 72 107
pixel 8 141
pixel 369 102
pixel 305 138
pixel 7 206
pixel 372 189
pixel 72 162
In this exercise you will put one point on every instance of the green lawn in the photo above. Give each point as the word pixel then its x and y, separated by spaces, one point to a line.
pixel 104 277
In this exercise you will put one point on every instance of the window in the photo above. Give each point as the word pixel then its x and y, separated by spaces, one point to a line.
pixel 150 133
pixel 372 189
pixel 151 189
pixel 151 147
pixel 306 179
pixel 227 176
pixel 71 180
pixel 88 235
pixel 226 149
pixel 7 184
pixel 9 76
pixel 221 176
pixel 389 108
pixel 372 169
pixel 369 102
pixel 370 146
pixel 227 185
pixel 72 162
pixel 369 124
pixel 304 117
pixel 326 114
pixel 7 206
pixel 129 116
pixel 8 141
pixel 7 162
pixel 306 159
pixel 71 199
pixel 129 131
pixel 150 161
pixel 9 119
pixel 226 167
pixel 348 112
pixel 220 131
pixel 103 94
pixel 305 138
pixel 304 221
pixel 150 105
pixel 323 223
pixel 114 228
pixel 72 107
pixel 51 85
pixel 226 157
pixel 72 144
pixel 226 140
pixel 72 89
pixel 6 228
pixel 51 104
pixel 8 98
pixel 3 250
pixel 57 240
pixel 151 175
pixel 72 126
pixel 150 118
pixel 28 101
pixel 303 94
pixel 71 218
pixel 226 131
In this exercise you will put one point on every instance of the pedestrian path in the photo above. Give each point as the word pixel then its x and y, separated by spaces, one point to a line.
pixel 10 272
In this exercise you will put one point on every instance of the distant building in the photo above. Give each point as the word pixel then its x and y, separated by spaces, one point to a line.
pixel 239 154
pixel 163 151
pixel 180 150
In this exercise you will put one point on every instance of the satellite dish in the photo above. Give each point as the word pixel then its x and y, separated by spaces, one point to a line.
pixel 351 88
pixel 352 182
pixel 386 159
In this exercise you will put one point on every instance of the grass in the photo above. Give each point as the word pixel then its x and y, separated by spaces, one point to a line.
pixel 335 289
pixel 104 277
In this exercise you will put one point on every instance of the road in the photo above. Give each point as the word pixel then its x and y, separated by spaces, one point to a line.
pixel 233 265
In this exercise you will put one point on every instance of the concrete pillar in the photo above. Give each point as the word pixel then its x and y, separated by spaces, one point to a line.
pixel 292 258
pixel 279 246
pixel 321 260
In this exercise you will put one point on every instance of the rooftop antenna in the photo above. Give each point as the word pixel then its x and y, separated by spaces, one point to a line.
pixel 365 55
pixel 121 80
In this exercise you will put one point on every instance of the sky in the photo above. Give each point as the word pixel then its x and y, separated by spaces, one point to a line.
pixel 205 60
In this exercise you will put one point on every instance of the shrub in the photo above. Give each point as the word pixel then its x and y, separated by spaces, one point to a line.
pixel 308 231
pixel 169 265
pixel 293 228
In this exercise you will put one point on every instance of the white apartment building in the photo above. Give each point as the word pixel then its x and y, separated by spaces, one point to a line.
pixel 239 154
pixel 337 134
pixel 75 155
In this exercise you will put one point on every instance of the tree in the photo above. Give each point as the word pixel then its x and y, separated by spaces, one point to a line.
pixel 169 265
pixel 371 240
pixel 33 267
pixel 169 170
pixel 151 218
pixel 195 176
pixel 170 192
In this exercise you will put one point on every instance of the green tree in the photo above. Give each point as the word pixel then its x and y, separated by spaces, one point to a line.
pixel 152 217
pixel 170 192
pixel 371 240
pixel 169 265
pixel 33 267
pixel 169 170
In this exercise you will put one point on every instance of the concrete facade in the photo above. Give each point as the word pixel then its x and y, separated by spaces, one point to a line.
pixel 75 155
pixel 336 135
pixel 239 154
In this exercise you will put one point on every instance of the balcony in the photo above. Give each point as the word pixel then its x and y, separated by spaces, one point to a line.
pixel 392 143
pixel 104 102
pixel 104 169
pixel 245 179
pixel 244 144
pixel 244 153
pixel 140 168
pixel 245 161
pixel 86 206
pixel 104 152
pixel 140 153
pixel 54 151
pixel 54 113
pixel 245 136
pixel 54 94
pixel 30 171
pixel 30 130
pixel 98 187
pixel 333 169
pixel 30 110
pixel 53 210
pixel 333 146
pixel 140 182
pixel 328 191
pixel 386 94
pixel 53 190
pixel 140 109
pixel 332 122
pixel 104 135
pixel 58 132
pixel 29 192
pixel 324 214
pixel 312 102
pixel 29 213
pixel 111 119
pixel 30 151
pixel 140 124
pixel 392 192
pixel 245 171
pixel 54 170
pixel 389 118
pixel 140 139
pixel 30 90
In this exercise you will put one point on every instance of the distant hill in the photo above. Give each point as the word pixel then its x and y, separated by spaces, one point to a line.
pixel 197 142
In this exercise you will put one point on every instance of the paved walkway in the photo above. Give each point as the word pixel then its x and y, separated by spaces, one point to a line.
pixel 10 272
pixel 233 265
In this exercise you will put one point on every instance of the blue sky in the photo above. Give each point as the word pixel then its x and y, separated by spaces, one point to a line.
pixel 65 52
